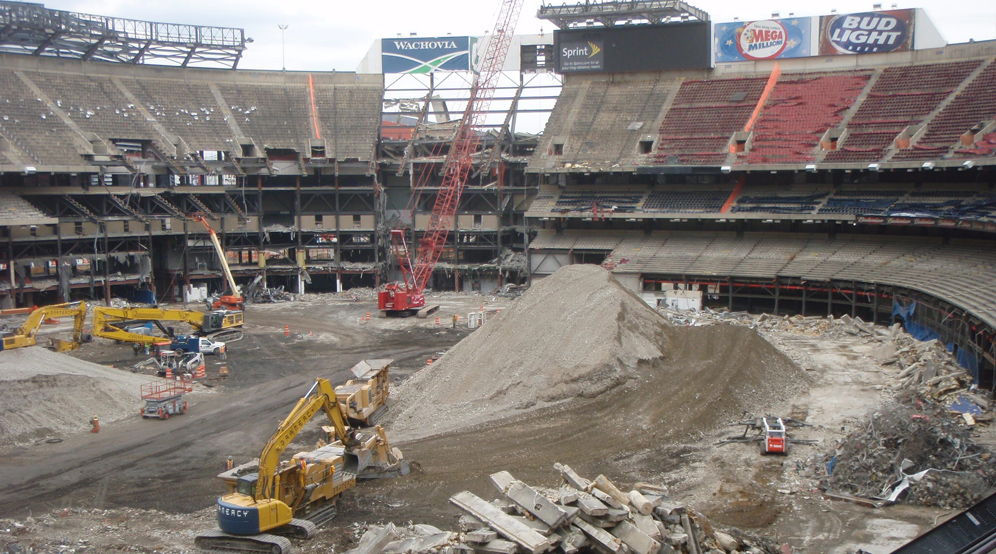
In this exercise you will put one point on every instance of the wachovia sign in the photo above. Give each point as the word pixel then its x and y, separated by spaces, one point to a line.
pixel 426 54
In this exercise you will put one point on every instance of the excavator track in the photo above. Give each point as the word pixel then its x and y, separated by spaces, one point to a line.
pixel 323 514
pixel 265 543
pixel 227 335
pixel 298 529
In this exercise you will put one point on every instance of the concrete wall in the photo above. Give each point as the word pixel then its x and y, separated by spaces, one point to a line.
pixel 20 231
pixel 488 222
pixel 545 263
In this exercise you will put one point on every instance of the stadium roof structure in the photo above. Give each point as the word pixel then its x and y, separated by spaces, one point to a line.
pixel 27 28
pixel 610 14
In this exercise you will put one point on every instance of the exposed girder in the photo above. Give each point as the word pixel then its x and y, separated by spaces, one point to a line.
pixel 610 14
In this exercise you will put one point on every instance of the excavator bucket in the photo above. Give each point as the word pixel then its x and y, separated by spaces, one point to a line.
pixel 372 457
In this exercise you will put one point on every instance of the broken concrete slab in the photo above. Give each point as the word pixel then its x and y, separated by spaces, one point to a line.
pixel 669 508
pixel 497 546
pixel 572 478
pixel 529 499
pixel 618 514
pixel 638 541
pixel 572 539
pixel 648 525
pixel 506 525
pixel 568 495
pixel 606 498
pixel 374 540
pixel 467 523
pixel 591 506
pixel 602 539
pixel 597 521
pixel 535 525
pixel 481 535
pixel 425 529
pixel 426 543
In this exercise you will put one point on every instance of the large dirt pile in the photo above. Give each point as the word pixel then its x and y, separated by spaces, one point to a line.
pixel 578 336
pixel 44 394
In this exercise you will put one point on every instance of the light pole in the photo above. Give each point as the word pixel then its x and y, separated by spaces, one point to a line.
pixel 283 47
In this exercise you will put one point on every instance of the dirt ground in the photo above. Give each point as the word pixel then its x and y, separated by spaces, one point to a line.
pixel 150 485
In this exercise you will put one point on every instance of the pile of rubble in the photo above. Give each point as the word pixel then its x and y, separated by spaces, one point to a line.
pixel 914 450
pixel 928 368
pixel 580 516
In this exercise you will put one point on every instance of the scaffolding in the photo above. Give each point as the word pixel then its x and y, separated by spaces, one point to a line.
pixel 36 30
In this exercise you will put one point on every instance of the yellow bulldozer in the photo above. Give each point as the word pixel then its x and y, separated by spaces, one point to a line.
pixel 270 500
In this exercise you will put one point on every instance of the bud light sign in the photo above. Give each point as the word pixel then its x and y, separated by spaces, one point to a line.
pixel 866 33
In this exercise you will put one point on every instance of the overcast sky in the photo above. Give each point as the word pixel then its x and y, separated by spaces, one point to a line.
pixel 327 35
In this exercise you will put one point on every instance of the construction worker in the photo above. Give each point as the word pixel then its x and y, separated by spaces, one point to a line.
pixel 96 425
pixel 229 463
pixel 455 318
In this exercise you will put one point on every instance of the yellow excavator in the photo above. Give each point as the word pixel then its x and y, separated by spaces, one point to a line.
pixel 110 323
pixel 269 499
pixel 25 334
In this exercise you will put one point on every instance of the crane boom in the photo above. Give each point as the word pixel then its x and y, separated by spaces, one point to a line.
pixel 235 300
pixel 409 295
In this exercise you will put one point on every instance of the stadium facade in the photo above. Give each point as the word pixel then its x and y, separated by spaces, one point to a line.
pixel 845 168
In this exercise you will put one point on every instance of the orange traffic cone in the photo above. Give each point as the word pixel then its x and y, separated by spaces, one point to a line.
pixel 437 320
pixel 286 330
pixel 96 425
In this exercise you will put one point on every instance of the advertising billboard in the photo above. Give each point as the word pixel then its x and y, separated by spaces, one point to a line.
pixel 426 54
pixel 582 55
pixel 866 33
pixel 763 40
pixel 633 48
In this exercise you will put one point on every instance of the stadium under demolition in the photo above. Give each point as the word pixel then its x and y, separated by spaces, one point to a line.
pixel 737 296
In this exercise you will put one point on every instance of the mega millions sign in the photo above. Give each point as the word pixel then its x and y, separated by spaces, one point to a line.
pixel 426 54
pixel 763 40
pixel 866 33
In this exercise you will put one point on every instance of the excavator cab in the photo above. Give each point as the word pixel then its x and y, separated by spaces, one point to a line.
pixel 247 484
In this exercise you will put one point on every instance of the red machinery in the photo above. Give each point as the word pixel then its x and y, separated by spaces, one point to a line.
pixel 406 297
pixel 774 440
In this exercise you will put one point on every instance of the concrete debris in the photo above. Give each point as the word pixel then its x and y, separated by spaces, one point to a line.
pixel 928 368
pixel 669 528
pixel 268 295
pixel 924 366
pixel 881 459
pixel 372 543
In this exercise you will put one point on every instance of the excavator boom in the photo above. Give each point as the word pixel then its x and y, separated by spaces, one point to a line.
pixel 25 334
pixel 271 496
pixel 107 322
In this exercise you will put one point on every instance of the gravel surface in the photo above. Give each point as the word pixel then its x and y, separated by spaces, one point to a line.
pixel 45 395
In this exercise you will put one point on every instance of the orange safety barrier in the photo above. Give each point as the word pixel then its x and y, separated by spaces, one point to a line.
pixel 733 195
pixel 314 109
pixel 772 79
